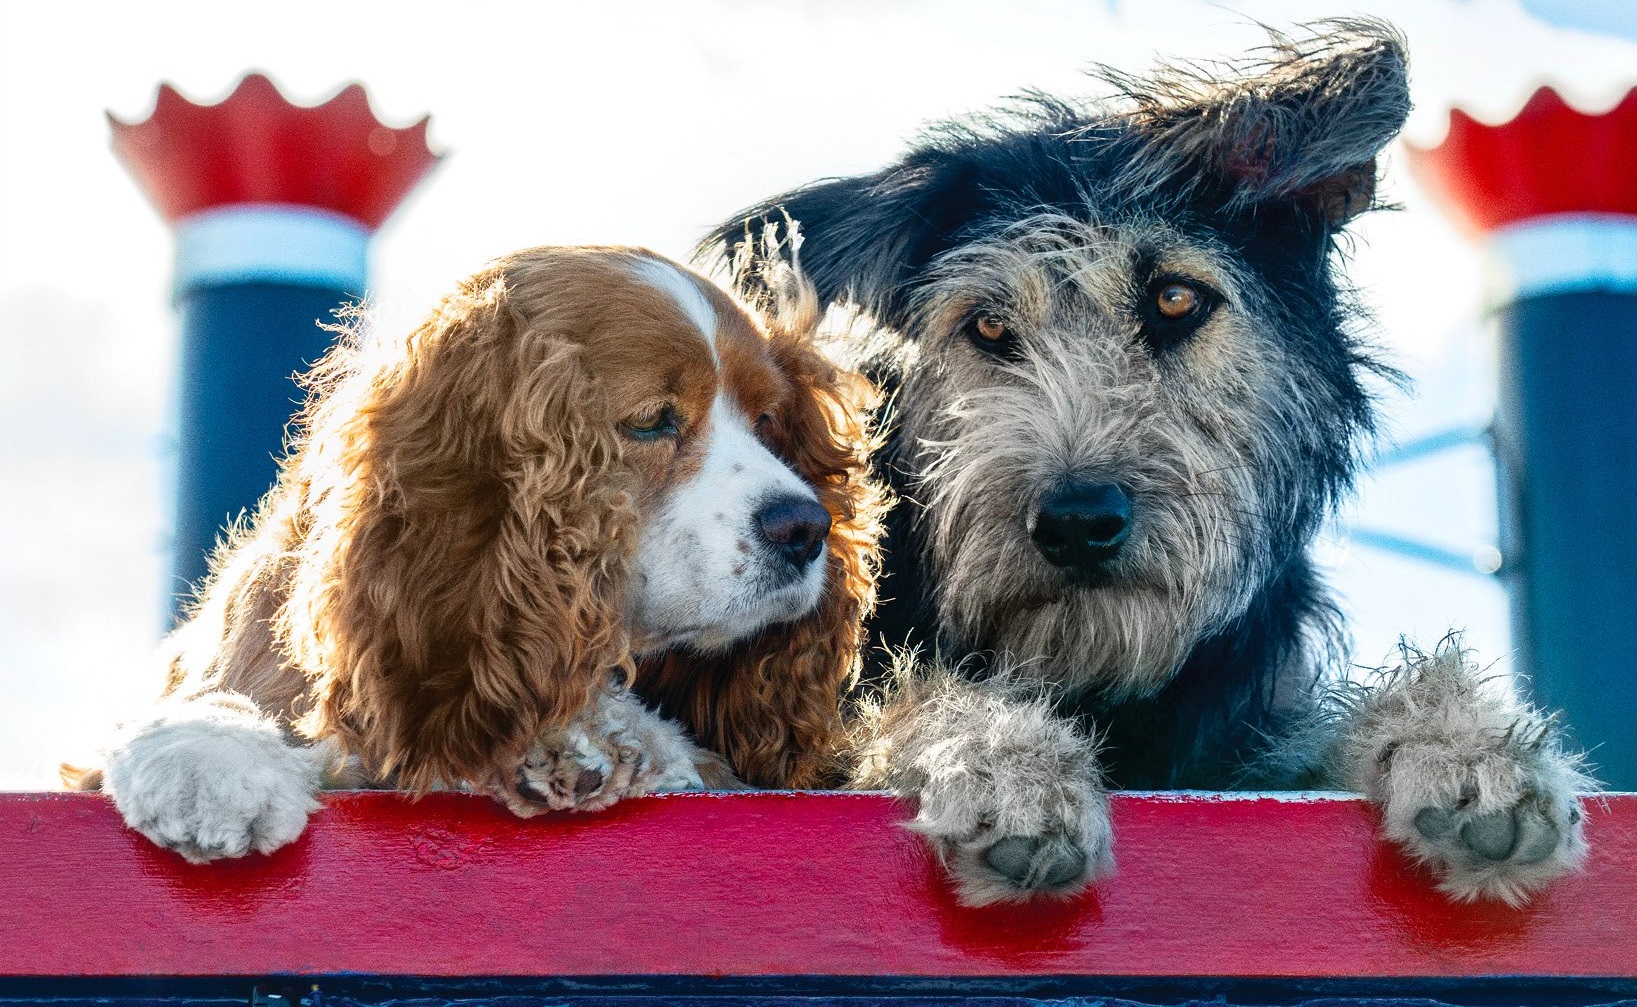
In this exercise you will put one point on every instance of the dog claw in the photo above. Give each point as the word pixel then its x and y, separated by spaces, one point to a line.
pixel 1013 857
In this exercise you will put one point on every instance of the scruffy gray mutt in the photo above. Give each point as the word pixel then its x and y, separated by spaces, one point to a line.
pixel 1126 392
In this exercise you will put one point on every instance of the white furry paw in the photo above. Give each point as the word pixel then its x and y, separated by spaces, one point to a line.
pixel 1017 811
pixel 617 748
pixel 1470 783
pixel 212 780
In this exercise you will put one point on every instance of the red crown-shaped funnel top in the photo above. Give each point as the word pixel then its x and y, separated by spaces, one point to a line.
pixel 255 146
pixel 1548 159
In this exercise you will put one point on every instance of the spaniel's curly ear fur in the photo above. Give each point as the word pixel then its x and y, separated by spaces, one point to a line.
pixel 772 705
pixel 469 543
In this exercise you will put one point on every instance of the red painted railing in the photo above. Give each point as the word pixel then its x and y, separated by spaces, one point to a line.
pixel 777 884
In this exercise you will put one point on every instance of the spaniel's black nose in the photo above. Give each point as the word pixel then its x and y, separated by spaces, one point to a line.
pixel 795 527
pixel 1080 525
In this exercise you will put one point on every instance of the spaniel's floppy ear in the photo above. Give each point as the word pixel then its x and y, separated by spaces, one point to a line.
pixel 772 704
pixel 469 549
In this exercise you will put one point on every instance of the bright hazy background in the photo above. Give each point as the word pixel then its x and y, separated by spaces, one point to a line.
pixel 634 123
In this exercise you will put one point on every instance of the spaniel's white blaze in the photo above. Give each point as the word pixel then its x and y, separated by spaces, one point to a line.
pixel 709 577
pixel 684 290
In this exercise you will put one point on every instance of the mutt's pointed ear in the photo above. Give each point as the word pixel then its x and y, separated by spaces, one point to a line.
pixel 1302 125
pixel 864 238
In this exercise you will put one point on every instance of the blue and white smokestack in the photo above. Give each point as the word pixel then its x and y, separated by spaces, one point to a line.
pixel 1553 194
pixel 273 207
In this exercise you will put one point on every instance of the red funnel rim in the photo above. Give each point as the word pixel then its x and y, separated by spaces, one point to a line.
pixel 1548 159
pixel 256 146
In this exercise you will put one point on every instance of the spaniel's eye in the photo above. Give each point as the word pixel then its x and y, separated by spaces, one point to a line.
pixel 1174 310
pixel 653 424
pixel 764 426
pixel 990 333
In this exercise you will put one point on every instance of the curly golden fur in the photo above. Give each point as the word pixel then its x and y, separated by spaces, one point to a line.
pixel 445 568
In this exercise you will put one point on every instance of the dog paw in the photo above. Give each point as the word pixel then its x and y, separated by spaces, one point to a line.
pixel 1470 782
pixel 1498 822
pixel 617 749
pixel 212 785
pixel 1019 816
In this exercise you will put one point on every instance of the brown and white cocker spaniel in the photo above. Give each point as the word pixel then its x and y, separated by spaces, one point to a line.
pixel 589 480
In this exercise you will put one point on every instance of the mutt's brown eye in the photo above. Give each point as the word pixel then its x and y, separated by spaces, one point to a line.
pixel 989 328
pixel 1178 300
pixel 1173 310
pixel 991 335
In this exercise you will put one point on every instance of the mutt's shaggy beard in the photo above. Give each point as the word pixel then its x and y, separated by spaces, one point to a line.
pixel 1199 436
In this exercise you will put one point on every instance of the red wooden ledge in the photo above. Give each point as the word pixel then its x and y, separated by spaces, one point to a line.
pixel 777 884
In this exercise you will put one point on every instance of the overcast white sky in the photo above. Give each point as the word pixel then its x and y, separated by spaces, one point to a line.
pixel 634 123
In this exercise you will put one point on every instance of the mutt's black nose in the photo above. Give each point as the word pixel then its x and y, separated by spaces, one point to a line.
pixel 1080 525
pixel 795 527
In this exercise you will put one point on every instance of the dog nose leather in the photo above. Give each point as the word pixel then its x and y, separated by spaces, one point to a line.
pixel 1080 525
pixel 795 527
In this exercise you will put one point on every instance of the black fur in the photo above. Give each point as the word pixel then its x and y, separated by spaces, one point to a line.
pixel 1270 165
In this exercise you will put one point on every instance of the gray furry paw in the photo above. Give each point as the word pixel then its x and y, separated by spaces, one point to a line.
pixel 1017 811
pixel 1469 781
pixel 616 749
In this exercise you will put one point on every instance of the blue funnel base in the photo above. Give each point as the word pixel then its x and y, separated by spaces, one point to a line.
pixel 242 347
pixel 1566 443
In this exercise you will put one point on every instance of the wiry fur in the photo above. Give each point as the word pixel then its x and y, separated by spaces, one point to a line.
pixel 1004 768
pixel 1302 119
pixel 1469 781
pixel 1211 462
pixel 446 572
pixel 1208 633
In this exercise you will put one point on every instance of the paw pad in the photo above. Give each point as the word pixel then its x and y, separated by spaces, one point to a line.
pixel 588 782
pixel 1036 862
pixel 1521 834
